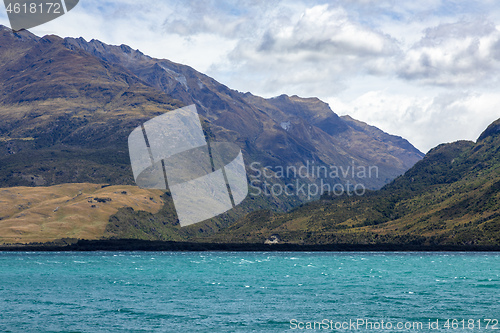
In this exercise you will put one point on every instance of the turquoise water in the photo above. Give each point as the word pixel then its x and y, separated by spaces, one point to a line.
pixel 247 292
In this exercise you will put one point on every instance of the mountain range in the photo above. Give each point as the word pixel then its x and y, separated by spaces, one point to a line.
pixel 67 107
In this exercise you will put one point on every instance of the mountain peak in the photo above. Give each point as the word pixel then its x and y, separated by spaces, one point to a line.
pixel 22 35
pixel 50 39
pixel 492 130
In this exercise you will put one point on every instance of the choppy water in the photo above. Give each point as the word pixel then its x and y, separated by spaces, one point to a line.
pixel 247 292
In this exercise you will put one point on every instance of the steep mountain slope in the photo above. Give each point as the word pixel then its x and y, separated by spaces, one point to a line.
pixel 280 131
pixel 65 115
pixel 452 196
pixel 366 143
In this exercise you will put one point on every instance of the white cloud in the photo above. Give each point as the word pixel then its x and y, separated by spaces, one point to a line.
pixel 326 30
pixel 427 120
pixel 458 54
pixel 314 53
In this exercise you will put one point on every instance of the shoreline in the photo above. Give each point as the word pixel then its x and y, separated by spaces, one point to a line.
pixel 144 245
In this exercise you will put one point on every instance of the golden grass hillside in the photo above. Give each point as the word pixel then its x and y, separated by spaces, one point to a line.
pixel 44 214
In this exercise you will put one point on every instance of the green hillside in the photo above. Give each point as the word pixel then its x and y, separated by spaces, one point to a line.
pixel 451 197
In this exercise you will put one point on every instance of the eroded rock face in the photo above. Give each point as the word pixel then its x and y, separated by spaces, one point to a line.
pixel 273 239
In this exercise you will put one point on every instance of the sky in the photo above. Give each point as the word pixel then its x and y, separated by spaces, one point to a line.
pixel 425 70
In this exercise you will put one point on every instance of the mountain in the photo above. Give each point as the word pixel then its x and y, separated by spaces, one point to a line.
pixel 451 197
pixel 67 107
pixel 65 115
pixel 279 131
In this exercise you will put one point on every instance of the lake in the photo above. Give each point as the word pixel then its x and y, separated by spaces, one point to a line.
pixel 249 292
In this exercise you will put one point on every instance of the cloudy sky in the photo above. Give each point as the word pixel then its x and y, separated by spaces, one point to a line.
pixel 426 70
